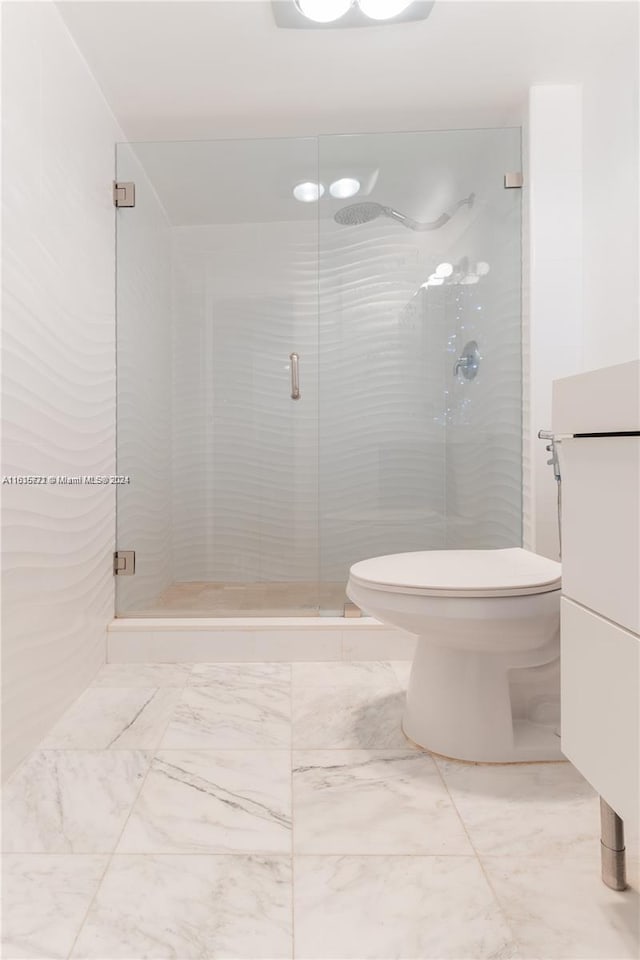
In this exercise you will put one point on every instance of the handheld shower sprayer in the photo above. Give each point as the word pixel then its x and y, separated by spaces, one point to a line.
pixel 552 448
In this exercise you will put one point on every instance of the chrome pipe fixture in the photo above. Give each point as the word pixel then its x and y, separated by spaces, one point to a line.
pixel 612 848
pixel 295 376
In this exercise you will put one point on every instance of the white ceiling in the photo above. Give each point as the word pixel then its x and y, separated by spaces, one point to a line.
pixel 211 68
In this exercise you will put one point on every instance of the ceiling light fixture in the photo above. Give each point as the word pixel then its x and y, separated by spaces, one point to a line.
pixel 347 13
pixel 308 192
pixel 324 11
pixel 345 187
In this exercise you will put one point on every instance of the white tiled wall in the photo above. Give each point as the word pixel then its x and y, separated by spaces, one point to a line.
pixel 58 372
pixel 556 314
pixel 610 185
pixel 382 428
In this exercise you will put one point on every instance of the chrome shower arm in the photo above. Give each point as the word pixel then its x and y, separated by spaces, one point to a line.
pixel 430 224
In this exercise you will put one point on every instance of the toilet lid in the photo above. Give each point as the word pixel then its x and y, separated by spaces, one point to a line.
pixel 457 573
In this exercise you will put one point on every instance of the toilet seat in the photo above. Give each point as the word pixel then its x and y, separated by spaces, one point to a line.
pixel 460 573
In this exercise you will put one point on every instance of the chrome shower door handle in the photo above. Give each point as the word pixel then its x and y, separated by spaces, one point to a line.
pixel 295 376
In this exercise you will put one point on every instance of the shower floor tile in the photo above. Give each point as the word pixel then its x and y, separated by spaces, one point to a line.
pixel 202 844
pixel 269 599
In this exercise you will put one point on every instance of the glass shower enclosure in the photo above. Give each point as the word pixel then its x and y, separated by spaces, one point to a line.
pixel 318 361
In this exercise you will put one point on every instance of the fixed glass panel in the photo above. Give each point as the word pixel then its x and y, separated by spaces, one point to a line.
pixel 420 345
pixel 217 289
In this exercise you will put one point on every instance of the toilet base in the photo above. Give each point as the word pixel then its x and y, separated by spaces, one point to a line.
pixel 459 706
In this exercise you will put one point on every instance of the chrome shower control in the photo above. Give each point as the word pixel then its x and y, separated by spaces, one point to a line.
pixel 468 362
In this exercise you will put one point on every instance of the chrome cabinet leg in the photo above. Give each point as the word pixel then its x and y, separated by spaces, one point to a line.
pixel 612 850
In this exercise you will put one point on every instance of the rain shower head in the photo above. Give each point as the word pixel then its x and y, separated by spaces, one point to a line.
pixel 357 213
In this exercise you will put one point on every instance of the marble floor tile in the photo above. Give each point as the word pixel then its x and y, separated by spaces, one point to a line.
pixel 143 675
pixel 356 716
pixel 202 801
pixel 241 675
pixel 373 801
pixel 531 809
pixel 558 907
pixel 116 718
pixel 343 673
pixel 357 908
pixel 205 907
pixel 242 706
pixel 73 801
pixel 44 900
pixel 402 670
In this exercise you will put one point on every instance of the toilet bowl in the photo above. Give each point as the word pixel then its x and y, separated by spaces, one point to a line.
pixel 485 679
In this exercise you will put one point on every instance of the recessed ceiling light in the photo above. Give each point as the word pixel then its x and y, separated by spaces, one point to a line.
pixel 308 192
pixel 324 11
pixel 345 187
pixel 444 270
pixel 383 9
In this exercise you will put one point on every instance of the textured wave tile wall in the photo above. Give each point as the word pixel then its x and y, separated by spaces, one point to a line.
pixel 382 454
pixel 484 415
pixel 144 389
pixel 269 489
pixel 385 452
pixel 58 373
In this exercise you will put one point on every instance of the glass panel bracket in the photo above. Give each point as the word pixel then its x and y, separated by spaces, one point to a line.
pixel 124 563
pixel 513 181
pixel 124 194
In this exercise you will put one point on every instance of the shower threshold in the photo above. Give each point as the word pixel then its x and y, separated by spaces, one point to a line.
pixel 240 599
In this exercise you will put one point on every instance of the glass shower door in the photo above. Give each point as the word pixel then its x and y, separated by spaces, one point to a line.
pixel 217 379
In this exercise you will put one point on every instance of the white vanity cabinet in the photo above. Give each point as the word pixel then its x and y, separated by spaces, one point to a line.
pixel 597 417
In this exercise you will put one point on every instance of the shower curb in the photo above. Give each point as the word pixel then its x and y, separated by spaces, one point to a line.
pixel 254 639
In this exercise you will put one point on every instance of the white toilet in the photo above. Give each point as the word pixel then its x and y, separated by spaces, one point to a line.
pixel 485 680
